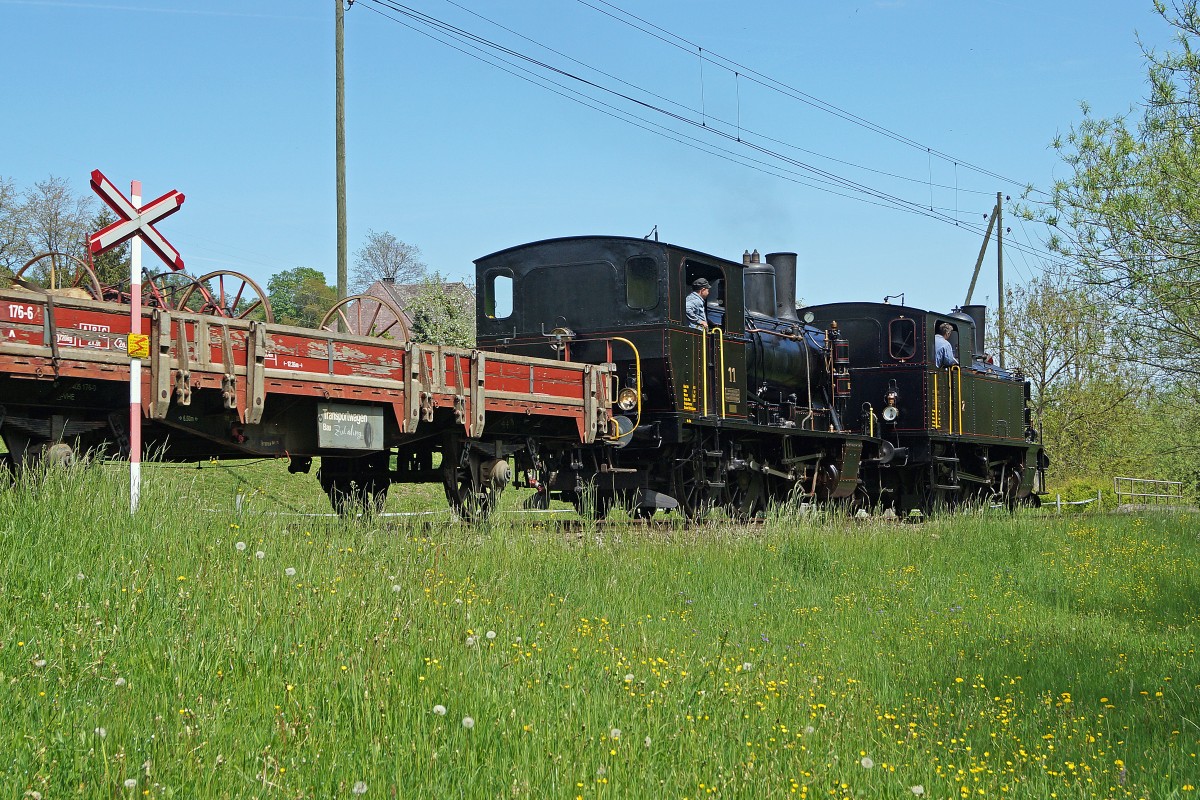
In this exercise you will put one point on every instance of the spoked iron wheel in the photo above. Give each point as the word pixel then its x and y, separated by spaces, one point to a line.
pixel 366 315
pixel 745 495
pixel 694 485
pixel 58 272
pixel 226 293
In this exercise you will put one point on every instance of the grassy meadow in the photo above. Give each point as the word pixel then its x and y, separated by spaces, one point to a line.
pixel 202 650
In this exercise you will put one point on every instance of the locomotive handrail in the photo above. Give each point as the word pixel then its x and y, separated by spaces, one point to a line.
pixel 716 331
pixel 955 372
pixel 637 371
pixel 935 414
pixel 703 375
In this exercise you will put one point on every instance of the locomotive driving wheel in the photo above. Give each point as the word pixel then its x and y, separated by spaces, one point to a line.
pixel 745 495
pixel 696 481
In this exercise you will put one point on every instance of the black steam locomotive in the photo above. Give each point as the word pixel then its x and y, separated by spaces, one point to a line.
pixel 769 404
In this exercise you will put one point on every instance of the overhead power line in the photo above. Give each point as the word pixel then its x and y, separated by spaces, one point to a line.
pixel 761 158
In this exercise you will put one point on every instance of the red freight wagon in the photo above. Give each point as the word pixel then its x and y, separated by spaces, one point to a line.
pixel 375 410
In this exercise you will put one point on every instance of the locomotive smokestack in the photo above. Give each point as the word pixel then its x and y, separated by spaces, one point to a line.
pixel 978 315
pixel 785 285
pixel 758 281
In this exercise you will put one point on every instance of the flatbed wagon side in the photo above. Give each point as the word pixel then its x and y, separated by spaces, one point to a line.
pixel 220 387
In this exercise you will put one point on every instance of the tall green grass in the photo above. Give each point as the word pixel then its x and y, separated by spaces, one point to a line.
pixel 976 656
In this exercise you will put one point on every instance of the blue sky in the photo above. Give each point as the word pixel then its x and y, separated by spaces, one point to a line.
pixel 232 104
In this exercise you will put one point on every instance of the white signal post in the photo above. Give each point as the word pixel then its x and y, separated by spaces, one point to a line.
pixel 135 364
pixel 135 222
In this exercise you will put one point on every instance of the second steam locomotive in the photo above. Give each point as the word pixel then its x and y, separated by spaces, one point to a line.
pixel 765 404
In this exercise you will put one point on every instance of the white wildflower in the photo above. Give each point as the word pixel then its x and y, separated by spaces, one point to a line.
pixel 101 732
pixel 472 641
pixel 240 546
pixel 290 571
pixel 131 783
pixel 80 576
pixel 468 723
pixel 396 587
pixel 867 762
pixel 918 790
pixel 119 682
pixel 646 741
pixel 490 635
pixel 260 555
pixel 440 710
pixel 747 666
pixel 41 662
pixel 359 788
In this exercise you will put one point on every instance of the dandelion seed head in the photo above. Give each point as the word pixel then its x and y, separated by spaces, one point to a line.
pixel 646 741
pixel 747 666
pixel 131 783
pixel 629 677
pixel 240 546
pixel 867 762
pixel 34 795
pixel 809 729
pixel 80 576
pixel 41 662
pixel 468 723
pixel 360 787
pixel 290 571
pixel 101 732
pixel 396 587
pixel 260 555
pixel 490 635
pixel 472 641
pixel 119 682
pixel 440 710
pixel 918 790
pixel 615 733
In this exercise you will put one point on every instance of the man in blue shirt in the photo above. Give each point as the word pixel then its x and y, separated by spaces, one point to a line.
pixel 694 305
pixel 943 351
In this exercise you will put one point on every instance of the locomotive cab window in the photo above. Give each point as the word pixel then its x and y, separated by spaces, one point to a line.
pixel 902 338
pixel 498 294
pixel 641 282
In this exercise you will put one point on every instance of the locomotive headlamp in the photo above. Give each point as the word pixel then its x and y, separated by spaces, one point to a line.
pixel 890 409
pixel 627 399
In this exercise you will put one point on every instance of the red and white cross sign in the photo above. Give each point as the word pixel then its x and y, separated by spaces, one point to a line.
pixel 135 221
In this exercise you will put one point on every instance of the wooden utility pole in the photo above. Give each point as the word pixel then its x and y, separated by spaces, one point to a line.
pixel 1000 273
pixel 997 222
pixel 340 115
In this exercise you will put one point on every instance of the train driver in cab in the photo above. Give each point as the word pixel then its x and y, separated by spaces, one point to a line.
pixel 943 351
pixel 694 305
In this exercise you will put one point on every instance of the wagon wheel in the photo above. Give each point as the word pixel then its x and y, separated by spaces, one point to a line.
pixel 366 315
pixel 66 272
pixel 691 485
pixel 165 289
pixel 471 496
pixel 226 293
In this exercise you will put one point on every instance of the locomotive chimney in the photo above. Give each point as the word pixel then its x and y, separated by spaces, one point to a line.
pixel 785 285
pixel 758 281
pixel 978 315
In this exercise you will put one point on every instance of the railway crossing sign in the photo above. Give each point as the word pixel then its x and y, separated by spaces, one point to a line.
pixel 135 221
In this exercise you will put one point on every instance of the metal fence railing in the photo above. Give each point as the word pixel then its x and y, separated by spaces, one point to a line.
pixel 1146 491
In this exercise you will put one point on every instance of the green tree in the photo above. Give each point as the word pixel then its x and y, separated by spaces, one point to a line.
pixel 111 266
pixel 300 296
pixel 1128 216
pixel 442 312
